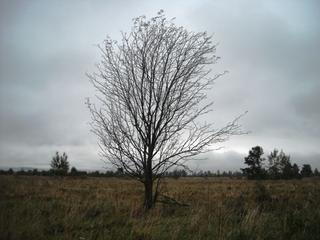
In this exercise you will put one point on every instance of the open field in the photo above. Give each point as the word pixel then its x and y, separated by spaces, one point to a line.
pixel 110 208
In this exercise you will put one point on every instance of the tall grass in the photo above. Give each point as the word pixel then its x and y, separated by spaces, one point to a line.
pixel 97 208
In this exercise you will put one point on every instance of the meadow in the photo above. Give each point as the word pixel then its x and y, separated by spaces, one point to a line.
pixel 35 207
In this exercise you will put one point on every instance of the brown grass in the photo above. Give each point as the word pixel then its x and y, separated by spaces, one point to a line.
pixel 110 208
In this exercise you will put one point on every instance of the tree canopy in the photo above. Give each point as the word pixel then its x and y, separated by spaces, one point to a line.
pixel 152 90
pixel 59 164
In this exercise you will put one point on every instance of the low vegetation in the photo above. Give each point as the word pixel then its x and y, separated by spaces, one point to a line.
pixel 39 207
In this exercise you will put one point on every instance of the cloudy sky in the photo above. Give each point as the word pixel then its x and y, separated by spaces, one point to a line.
pixel 270 48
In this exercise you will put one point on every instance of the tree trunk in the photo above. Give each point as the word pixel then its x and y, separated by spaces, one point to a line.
pixel 148 190
pixel 148 181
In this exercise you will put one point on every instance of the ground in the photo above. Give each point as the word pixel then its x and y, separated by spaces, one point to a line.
pixel 33 207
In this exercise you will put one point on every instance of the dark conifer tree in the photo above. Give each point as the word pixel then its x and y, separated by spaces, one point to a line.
pixel 254 161
pixel 306 170
pixel 295 171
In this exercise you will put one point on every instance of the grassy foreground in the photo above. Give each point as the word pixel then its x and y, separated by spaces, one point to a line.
pixel 110 208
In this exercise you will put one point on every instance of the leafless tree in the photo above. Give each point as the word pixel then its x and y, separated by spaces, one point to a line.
pixel 151 88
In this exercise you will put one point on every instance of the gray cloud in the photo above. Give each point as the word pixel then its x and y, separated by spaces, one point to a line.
pixel 271 49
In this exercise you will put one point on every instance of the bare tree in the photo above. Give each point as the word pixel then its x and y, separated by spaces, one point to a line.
pixel 151 88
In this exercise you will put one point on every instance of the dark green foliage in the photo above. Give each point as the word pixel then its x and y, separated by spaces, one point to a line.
pixel 73 171
pixel 35 172
pixel 295 171
pixel 59 164
pixel 280 166
pixel 254 162
pixel 285 166
pixel 119 172
pixel 316 172
pixel 177 173
pixel 306 170
pixel 274 165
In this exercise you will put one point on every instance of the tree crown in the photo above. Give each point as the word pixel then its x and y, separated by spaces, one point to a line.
pixel 152 86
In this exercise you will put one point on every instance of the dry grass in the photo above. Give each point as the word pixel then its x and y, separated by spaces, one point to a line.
pixel 110 208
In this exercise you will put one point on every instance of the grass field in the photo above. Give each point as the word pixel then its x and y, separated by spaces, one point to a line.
pixel 110 208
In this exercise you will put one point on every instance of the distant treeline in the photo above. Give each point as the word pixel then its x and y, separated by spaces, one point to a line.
pixel 52 172
pixel 117 173
pixel 278 166
pixel 182 173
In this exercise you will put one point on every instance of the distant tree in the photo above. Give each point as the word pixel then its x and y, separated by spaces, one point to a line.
pixel 274 164
pixel 207 173
pixel 82 173
pixel 59 164
pixel 109 173
pixel 254 161
pixel 44 173
pixel 177 173
pixel 73 171
pixel 287 170
pixel 224 174
pixel 200 173
pixel 10 171
pixel 306 170
pixel 285 166
pixel 237 174
pixel 295 171
pixel 316 172
pixel 279 165
pixel 119 172
pixel 35 172
pixel 95 174
pixel 21 172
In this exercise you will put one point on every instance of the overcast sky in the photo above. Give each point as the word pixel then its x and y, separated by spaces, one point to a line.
pixel 270 48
